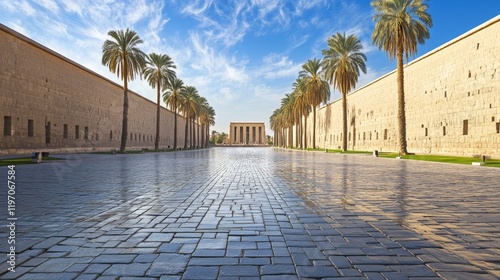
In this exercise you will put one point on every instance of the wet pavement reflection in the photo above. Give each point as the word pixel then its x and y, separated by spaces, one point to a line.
pixel 253 213
pixel 456 207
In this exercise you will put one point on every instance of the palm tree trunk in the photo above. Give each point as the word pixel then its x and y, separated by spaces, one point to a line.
pixel 202 135
pixel 175 124
pixel 207 136
pixel 157 139
pixel 314 128
pixel 186 127
pixel 299 136
pixel 305 132
pixel 344 121
pixel 123 143
pixel 401 103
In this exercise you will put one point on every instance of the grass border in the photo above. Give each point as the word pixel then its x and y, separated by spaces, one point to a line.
pixel 24 160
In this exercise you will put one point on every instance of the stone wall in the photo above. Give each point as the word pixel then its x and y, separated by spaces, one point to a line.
pixel 452 102
pixel 54 104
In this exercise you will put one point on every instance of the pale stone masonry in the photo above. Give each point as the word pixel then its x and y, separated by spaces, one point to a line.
pixel 247 133
pixel 51 103
pixel 452 102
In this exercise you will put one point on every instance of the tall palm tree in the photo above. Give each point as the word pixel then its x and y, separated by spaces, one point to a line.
pixel 201 108
pixel 123 57
pixel 287 115
pixel 274 124
pixel 211 119
pixel 302 108
pixel 172 97
pixel 159 73
pixel 189 107
pixel 400 25
pixel 342 62
pixel 317 88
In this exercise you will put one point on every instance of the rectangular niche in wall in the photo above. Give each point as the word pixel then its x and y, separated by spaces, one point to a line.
pixel 466 127
pixel 7 126
pixel 30 128
pixel 65 131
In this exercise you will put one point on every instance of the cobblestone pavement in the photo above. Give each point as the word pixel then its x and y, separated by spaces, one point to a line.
pixel 252 213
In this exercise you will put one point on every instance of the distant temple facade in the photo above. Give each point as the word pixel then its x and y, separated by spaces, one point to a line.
pixel 247 133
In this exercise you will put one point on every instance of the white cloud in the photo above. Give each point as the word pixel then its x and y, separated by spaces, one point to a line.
pixel 49 5
pixel 277 66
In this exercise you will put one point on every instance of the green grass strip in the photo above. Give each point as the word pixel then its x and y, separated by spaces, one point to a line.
pixel 23 160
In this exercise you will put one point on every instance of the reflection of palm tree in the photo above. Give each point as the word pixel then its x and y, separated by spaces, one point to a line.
pixel 400 25
pixel 124 58
pixel 402 191
pixel 345 172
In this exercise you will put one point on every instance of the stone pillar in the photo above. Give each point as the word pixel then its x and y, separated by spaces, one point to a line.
pixel 250 133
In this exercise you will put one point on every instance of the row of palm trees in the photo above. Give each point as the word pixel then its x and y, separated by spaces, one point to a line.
pixel 123 57
pixel 400 25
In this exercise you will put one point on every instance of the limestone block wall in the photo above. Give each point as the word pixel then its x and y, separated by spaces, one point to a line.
pixel 452 102
pixel 51 103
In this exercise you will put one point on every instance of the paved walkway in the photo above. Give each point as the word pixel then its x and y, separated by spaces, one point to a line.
pixel 252 213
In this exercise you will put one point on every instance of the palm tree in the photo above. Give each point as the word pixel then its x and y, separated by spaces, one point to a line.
pixel 189 107
pixel 172 97
pixel 123 57
pixel 400 25
pixel 302 108
pixel 288 115
pixel 201 108
pixel 159 73
pixel 211 120
pixel 317 89
pixel 342 62
pixel 274 125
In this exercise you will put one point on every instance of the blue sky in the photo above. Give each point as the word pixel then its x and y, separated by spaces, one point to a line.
pixel 242 55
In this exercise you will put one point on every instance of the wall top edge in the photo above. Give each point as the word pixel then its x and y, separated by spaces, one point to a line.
pixel 430 53
pixel 37 45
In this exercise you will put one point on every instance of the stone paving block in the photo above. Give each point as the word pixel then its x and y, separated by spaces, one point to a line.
pixel 85 252
pixel 55 265
pixel 112 259
pixel 301 259
pixel 52 276
pixel 202 261
pixel 213 243
pixel 87 277
pixel 209 253
pixel 372 260
pixel 49 242
pixel 201 272
pixel 317 271
pixel 258 253
pixel 168 264
pixel 96 268
pixel 242 245
pixel 145 258
pixel 77 267
pixel 127 270
pixel 170 248
pixel 240 271
pixel 277 269
pixel 255 261
pixel 350 272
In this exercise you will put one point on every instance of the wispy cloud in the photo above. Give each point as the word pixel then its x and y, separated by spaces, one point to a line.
pixel 239 54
